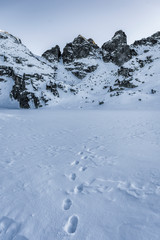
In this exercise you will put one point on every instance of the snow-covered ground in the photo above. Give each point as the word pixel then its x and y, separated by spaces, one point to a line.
pixel 81 175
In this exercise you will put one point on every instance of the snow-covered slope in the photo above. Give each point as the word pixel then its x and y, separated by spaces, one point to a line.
pixel 24 77
pixel 83 76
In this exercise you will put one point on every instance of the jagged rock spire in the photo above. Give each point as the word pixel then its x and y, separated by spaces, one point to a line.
pixel 120 38
pixel 149 41
pixel 116 50
pixel 53 54
pixel 80 48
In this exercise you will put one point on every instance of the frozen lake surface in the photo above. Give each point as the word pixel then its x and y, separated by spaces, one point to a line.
pixel 81 175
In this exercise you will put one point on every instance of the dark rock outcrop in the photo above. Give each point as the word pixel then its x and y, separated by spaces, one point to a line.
pixel 20 91
pixel 80 48
pixel 125 72
pixel 80 70
pixel 150 41
pixel 125 84
pixel 52 55
pixel 117 50
pixel 53 88
pixel 75 52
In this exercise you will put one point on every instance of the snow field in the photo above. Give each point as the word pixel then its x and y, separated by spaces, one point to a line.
pixel 79 175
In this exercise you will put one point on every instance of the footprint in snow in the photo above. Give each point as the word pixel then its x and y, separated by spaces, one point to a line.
pixel 78 189
pixel 80 153
pixel 82 169
pixel 67 203
pixel 74 163
pixel 72 176
pixel 71 225
pixel 84 157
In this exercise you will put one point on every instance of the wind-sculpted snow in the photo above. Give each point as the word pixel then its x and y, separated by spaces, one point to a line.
pixel 79 175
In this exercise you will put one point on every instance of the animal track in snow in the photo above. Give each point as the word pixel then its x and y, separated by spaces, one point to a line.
pixel 67 203
pixel 78 189
pixel 71 225
pixel 82 169
pixel 132 190
pixel 84 157
pixel 9 229
pixel 74 163
pixel 80 153
pixel 72 176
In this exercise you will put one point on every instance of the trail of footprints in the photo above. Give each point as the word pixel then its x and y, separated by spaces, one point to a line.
pixel 72 223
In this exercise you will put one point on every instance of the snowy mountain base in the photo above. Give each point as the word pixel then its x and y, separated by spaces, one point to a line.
pixel 79 175
pixel 84 75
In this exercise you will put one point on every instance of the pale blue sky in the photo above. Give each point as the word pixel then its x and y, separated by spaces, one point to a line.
pixel 41 24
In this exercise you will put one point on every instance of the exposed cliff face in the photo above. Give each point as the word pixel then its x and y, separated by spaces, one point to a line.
pixel 80 48
pixel 150 41
pixel 117 50
pixel 76 53
pixel 53 55
pixel 26 76
pixel 83 73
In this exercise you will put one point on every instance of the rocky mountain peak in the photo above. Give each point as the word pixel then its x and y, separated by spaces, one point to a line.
pixel 92 41
pixel 116 50
pixel 53 54
pixel 79 40
pixel 5 35
pixel 76 53
pixel 120 38
pixel 79 48
pixel 30 81
pixel 149 41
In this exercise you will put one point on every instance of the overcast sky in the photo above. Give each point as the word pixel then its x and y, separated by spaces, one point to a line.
pixel 41 24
